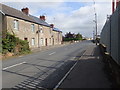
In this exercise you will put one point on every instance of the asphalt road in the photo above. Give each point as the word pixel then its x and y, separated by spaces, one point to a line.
pixel 42 69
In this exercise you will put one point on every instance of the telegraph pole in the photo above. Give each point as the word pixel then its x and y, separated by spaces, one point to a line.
pixel 95 21
pixel 93 35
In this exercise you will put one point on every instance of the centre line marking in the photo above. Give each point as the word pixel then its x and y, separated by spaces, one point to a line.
pixel 13 66
pixel 52 53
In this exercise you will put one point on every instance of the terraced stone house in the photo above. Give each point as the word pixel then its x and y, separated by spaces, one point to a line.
pixel 28 27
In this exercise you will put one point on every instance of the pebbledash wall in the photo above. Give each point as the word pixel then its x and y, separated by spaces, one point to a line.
pixel 110 35
pixel 37 34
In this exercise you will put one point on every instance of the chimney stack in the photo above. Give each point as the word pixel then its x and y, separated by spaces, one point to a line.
pixel 25 10
pixel 52 25
pixel 42 18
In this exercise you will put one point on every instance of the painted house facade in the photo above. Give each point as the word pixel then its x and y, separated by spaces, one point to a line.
pixel 27 27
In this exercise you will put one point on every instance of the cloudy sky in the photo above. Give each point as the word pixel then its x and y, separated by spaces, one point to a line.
pixel 69 16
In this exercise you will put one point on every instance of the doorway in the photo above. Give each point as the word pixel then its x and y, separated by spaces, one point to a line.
pixel 53 41
pixel 46 41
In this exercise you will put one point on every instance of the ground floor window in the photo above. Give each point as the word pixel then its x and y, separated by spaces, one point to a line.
pixel 42 41
pixel 26 39
pixel 33 41
pixel 50 40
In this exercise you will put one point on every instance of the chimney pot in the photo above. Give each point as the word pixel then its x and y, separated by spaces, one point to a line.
pixel 52 25
pixel 42 18
pixel 25 10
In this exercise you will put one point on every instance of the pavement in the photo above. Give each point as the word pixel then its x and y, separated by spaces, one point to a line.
pixel 88 72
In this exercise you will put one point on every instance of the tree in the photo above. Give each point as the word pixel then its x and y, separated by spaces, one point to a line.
pixel 79 36
pixel 71 36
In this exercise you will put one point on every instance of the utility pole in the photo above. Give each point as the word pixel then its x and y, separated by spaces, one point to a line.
pixel 93 35
pixel 95 22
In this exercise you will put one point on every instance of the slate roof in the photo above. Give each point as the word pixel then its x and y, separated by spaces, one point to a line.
pixel 9 11
pixel 56 29
pixel 39 21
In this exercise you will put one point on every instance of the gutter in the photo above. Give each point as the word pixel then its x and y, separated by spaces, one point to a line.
pixel 26 20
pixel 2 12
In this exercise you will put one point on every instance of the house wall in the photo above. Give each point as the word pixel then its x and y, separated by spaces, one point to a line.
pixel 3 26
pixel 43 38
pixel 57 37
pixel 45 35
pixel 1 19
pixel 24 30
pixel 61 39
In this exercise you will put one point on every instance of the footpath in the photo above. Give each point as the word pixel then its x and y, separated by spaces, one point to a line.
pixel 88 72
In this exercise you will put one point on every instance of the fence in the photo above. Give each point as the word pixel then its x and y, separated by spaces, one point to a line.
pixel 110 35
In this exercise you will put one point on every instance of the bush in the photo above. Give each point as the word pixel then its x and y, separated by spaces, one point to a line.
pixel 14 44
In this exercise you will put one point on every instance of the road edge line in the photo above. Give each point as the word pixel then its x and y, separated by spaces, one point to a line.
pixel 55 88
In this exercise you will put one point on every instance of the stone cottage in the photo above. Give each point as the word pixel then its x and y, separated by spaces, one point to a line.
pixel 28 27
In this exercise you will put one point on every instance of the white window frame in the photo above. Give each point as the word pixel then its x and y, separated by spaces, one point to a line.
pixel 42 41
pixel 33 27
pixel 41 30
pixel 33 41
pixel 50 40
pixel 16 24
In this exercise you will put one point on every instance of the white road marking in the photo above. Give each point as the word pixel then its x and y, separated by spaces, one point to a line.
pixel 13 66
pixel 55 88
pixel 52 53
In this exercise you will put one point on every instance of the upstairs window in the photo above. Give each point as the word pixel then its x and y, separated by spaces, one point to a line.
pixel 33 27
pixel 41 30
pixel 16 24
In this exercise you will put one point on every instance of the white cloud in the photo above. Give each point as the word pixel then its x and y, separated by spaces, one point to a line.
pixel 64 18
pixel 81 20
pixel 55 0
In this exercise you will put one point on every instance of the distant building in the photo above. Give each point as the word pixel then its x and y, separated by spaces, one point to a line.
pixel 27 27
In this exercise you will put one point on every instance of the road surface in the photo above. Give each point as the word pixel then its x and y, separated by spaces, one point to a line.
pixel 42 69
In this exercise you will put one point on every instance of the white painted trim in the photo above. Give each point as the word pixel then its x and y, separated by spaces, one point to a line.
pixel 2 12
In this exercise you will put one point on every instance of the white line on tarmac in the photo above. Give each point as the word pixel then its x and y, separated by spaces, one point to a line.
pixel 52 53
pixel 13 66
pixel 56 87
pixel 65 76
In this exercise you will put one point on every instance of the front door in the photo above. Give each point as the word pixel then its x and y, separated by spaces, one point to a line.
pixel 46 41
pixel 53 41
